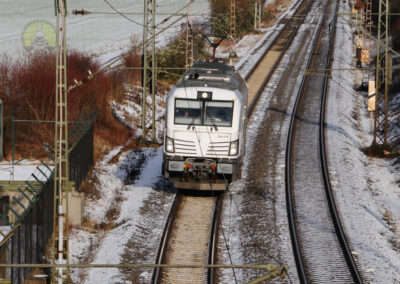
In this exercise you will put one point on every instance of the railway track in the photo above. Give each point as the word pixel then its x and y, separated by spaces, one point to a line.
pixel 191 227
pixel 265 67
pixel 189 238
pixel 321 251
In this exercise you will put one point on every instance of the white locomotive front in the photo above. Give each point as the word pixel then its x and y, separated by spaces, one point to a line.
pixel 205 127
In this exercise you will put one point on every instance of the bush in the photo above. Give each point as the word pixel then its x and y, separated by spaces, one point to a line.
pixel 28 87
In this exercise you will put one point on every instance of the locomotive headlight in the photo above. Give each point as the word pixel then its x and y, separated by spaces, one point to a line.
pixel 234 148
pixel 169 145
pixel 204 95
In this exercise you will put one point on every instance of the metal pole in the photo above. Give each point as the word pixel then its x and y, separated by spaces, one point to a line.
pixel 12 142
pixel 189 38
pixel 61 176
pixel 12 134
pixel 259 15
pixel 144 63
pixel 149 83
pixel 232 29
pixel 255 15
pixel 381 102
pixel 153 70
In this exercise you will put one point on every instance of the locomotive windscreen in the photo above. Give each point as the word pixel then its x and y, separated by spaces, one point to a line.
pixel 200 112
pixel 218 113
pixel 188 111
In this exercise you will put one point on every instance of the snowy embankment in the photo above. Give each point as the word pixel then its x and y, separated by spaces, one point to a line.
pixel 115 218
pixel 366 189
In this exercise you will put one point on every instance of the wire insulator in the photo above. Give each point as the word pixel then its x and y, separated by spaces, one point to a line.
pixel 80 12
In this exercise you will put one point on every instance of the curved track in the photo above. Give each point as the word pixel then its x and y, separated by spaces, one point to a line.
pixel 189 234
pixel 188 238
pixel 321 250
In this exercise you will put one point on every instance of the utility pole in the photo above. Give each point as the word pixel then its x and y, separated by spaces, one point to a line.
pixel 61 173
pixel 149 68
pixel 382 76
pixel 368 28
pixel 232 28
pixel 257 15
pixel 366 12
pixel 189 38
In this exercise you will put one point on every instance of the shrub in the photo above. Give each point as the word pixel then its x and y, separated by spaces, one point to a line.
pixel 28 87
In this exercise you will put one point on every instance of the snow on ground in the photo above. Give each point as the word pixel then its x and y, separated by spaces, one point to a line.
pixel 366 189
pixel 107 246
pixel 23 170
pixel 248 59
pixel 129 110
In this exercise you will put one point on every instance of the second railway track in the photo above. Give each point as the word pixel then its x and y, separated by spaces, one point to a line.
pixel 262 71
pixel 321 250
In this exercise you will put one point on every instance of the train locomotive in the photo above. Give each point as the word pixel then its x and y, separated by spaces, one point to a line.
pixel 205 125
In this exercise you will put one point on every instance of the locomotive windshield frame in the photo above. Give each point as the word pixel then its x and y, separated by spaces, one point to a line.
pixel 205 113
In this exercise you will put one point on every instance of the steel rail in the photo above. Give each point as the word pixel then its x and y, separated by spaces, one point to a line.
pixel 212 251
pixel 279 59
pixel 289 204
pixel 273 42
pixel 332 207
pixel 331 200
pixel 164 239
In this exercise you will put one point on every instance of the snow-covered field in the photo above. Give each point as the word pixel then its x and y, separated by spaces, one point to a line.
pixel 100 33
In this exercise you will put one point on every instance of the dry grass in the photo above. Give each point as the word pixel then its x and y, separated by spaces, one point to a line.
pixel 388 218
pixel 380 151
pixel 90 186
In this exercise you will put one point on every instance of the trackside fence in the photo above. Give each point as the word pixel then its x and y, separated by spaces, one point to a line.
pixel 26 240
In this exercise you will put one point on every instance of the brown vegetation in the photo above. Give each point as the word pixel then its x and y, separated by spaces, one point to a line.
pixel 28 86
pixel 380 151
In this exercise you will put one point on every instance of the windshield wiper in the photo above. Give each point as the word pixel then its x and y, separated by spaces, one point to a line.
pixel 213 124
pixel 190 124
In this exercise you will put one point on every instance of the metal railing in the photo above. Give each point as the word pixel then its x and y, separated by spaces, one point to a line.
pixel 29 236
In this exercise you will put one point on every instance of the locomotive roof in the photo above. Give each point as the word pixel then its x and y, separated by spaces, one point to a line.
pixel 212 74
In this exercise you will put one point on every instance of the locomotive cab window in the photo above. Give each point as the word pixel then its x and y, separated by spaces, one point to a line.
pixel 218 113
pixel 200 112
pixel 188 111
